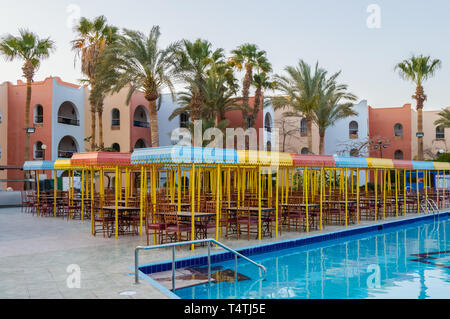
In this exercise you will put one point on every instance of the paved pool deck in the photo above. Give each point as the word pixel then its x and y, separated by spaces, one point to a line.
pixel 35 253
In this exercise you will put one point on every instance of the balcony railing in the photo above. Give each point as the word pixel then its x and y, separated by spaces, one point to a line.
pixel 65 154
pixel 38 119
pixel 68 121
pixel 141 124
pixel 38 154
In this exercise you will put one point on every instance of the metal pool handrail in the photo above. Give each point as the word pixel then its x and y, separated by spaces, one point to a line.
pixel 207 240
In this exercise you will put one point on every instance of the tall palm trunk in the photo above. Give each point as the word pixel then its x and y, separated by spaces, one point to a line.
pixel 28 71
pixel 309 134
pixel 420 97
pixel 257 106
pixel 196 106
pixel 100 128
pixel 92 129
pixel 245 94
pixel 154 129
pixel 322 143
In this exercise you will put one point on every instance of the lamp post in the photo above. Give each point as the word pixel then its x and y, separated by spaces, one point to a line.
pixel 43 147
pixel 380 145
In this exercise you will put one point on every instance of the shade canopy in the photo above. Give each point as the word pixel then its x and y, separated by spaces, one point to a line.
pixel 38 165
pixel 99 159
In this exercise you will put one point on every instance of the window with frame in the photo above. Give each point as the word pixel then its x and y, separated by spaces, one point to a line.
pixel 440 133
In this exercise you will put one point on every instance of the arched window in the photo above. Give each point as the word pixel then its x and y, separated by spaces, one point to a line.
pixel 68 114
pixel 353 129
pixel 38 114
pixel 304 151
pixel 115 117
pixel 354 152
pixel 67 146
pixel 250 121
pixel 303 126
pixel 38 151
pixel 116 147
pixel 0 116
pixel 440 132
pixel 398 155
pixel 140 143
pixel 398 129
pixel 141 117
pixel 268 122
pixel 184 119
pixel 0 152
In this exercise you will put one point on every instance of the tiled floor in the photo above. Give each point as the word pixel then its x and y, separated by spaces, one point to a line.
pixel 35 253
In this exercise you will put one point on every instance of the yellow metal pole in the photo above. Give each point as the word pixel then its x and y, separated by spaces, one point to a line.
pixel 404 192
pixel 321 196
pixel 384 194
pixel 306 199
pixel 193 204
pixel 218 202
pixel 82 194
pixel 55 186
pixel 179 188
pixel 141 196
pixel 116 180
pixel 276 202
pixel 417 191
pixel 92 200
pixel 376 193
pixel 346 198
pixel 396 194
pixel 436 187
pixel 357 196
pixel 259 203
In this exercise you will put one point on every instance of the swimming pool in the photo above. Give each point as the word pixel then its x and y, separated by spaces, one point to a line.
pixel 409 261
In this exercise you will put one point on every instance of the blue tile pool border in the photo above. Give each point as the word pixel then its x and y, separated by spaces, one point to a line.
pixel 202 260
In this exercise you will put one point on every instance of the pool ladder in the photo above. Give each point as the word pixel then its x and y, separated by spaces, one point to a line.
pixel 193 242
pixel 429 205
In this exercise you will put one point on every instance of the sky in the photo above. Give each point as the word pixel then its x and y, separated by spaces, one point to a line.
pixel 347 35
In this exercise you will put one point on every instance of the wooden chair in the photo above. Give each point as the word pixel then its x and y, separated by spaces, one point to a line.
pixel 103 223
pixel 174 229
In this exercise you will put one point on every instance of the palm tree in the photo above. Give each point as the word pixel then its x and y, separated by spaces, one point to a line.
pixel 418 69
pixel 261 81
pixel 192 62
pixel 301 91
pixel 29 48
pixel 444 119
pixel 249 56
pixel 330 109
pixel 137 61
pixel 93 37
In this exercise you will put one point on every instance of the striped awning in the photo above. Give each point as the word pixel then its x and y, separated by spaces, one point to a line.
pixel 422 165
pixel 402 164
pixel 313 160
pixel 264 158
pixel 184 155
pixel 380 162
pixel 351 162
pixel 100 159
pixel 441 165
pixel 38 165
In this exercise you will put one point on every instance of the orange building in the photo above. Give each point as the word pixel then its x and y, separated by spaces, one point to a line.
pixel 392 127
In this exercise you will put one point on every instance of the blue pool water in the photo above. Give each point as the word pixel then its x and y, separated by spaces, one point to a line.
pixel 380 264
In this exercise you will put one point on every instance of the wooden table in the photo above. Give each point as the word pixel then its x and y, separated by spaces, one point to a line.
pixel 265 220
pixel 121 210
pixel 200 225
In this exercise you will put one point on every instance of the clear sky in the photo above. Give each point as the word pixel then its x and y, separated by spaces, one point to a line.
pixel 335 33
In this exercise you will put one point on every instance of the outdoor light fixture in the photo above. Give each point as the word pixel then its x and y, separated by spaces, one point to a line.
pixel 43 148
pixel 30 130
